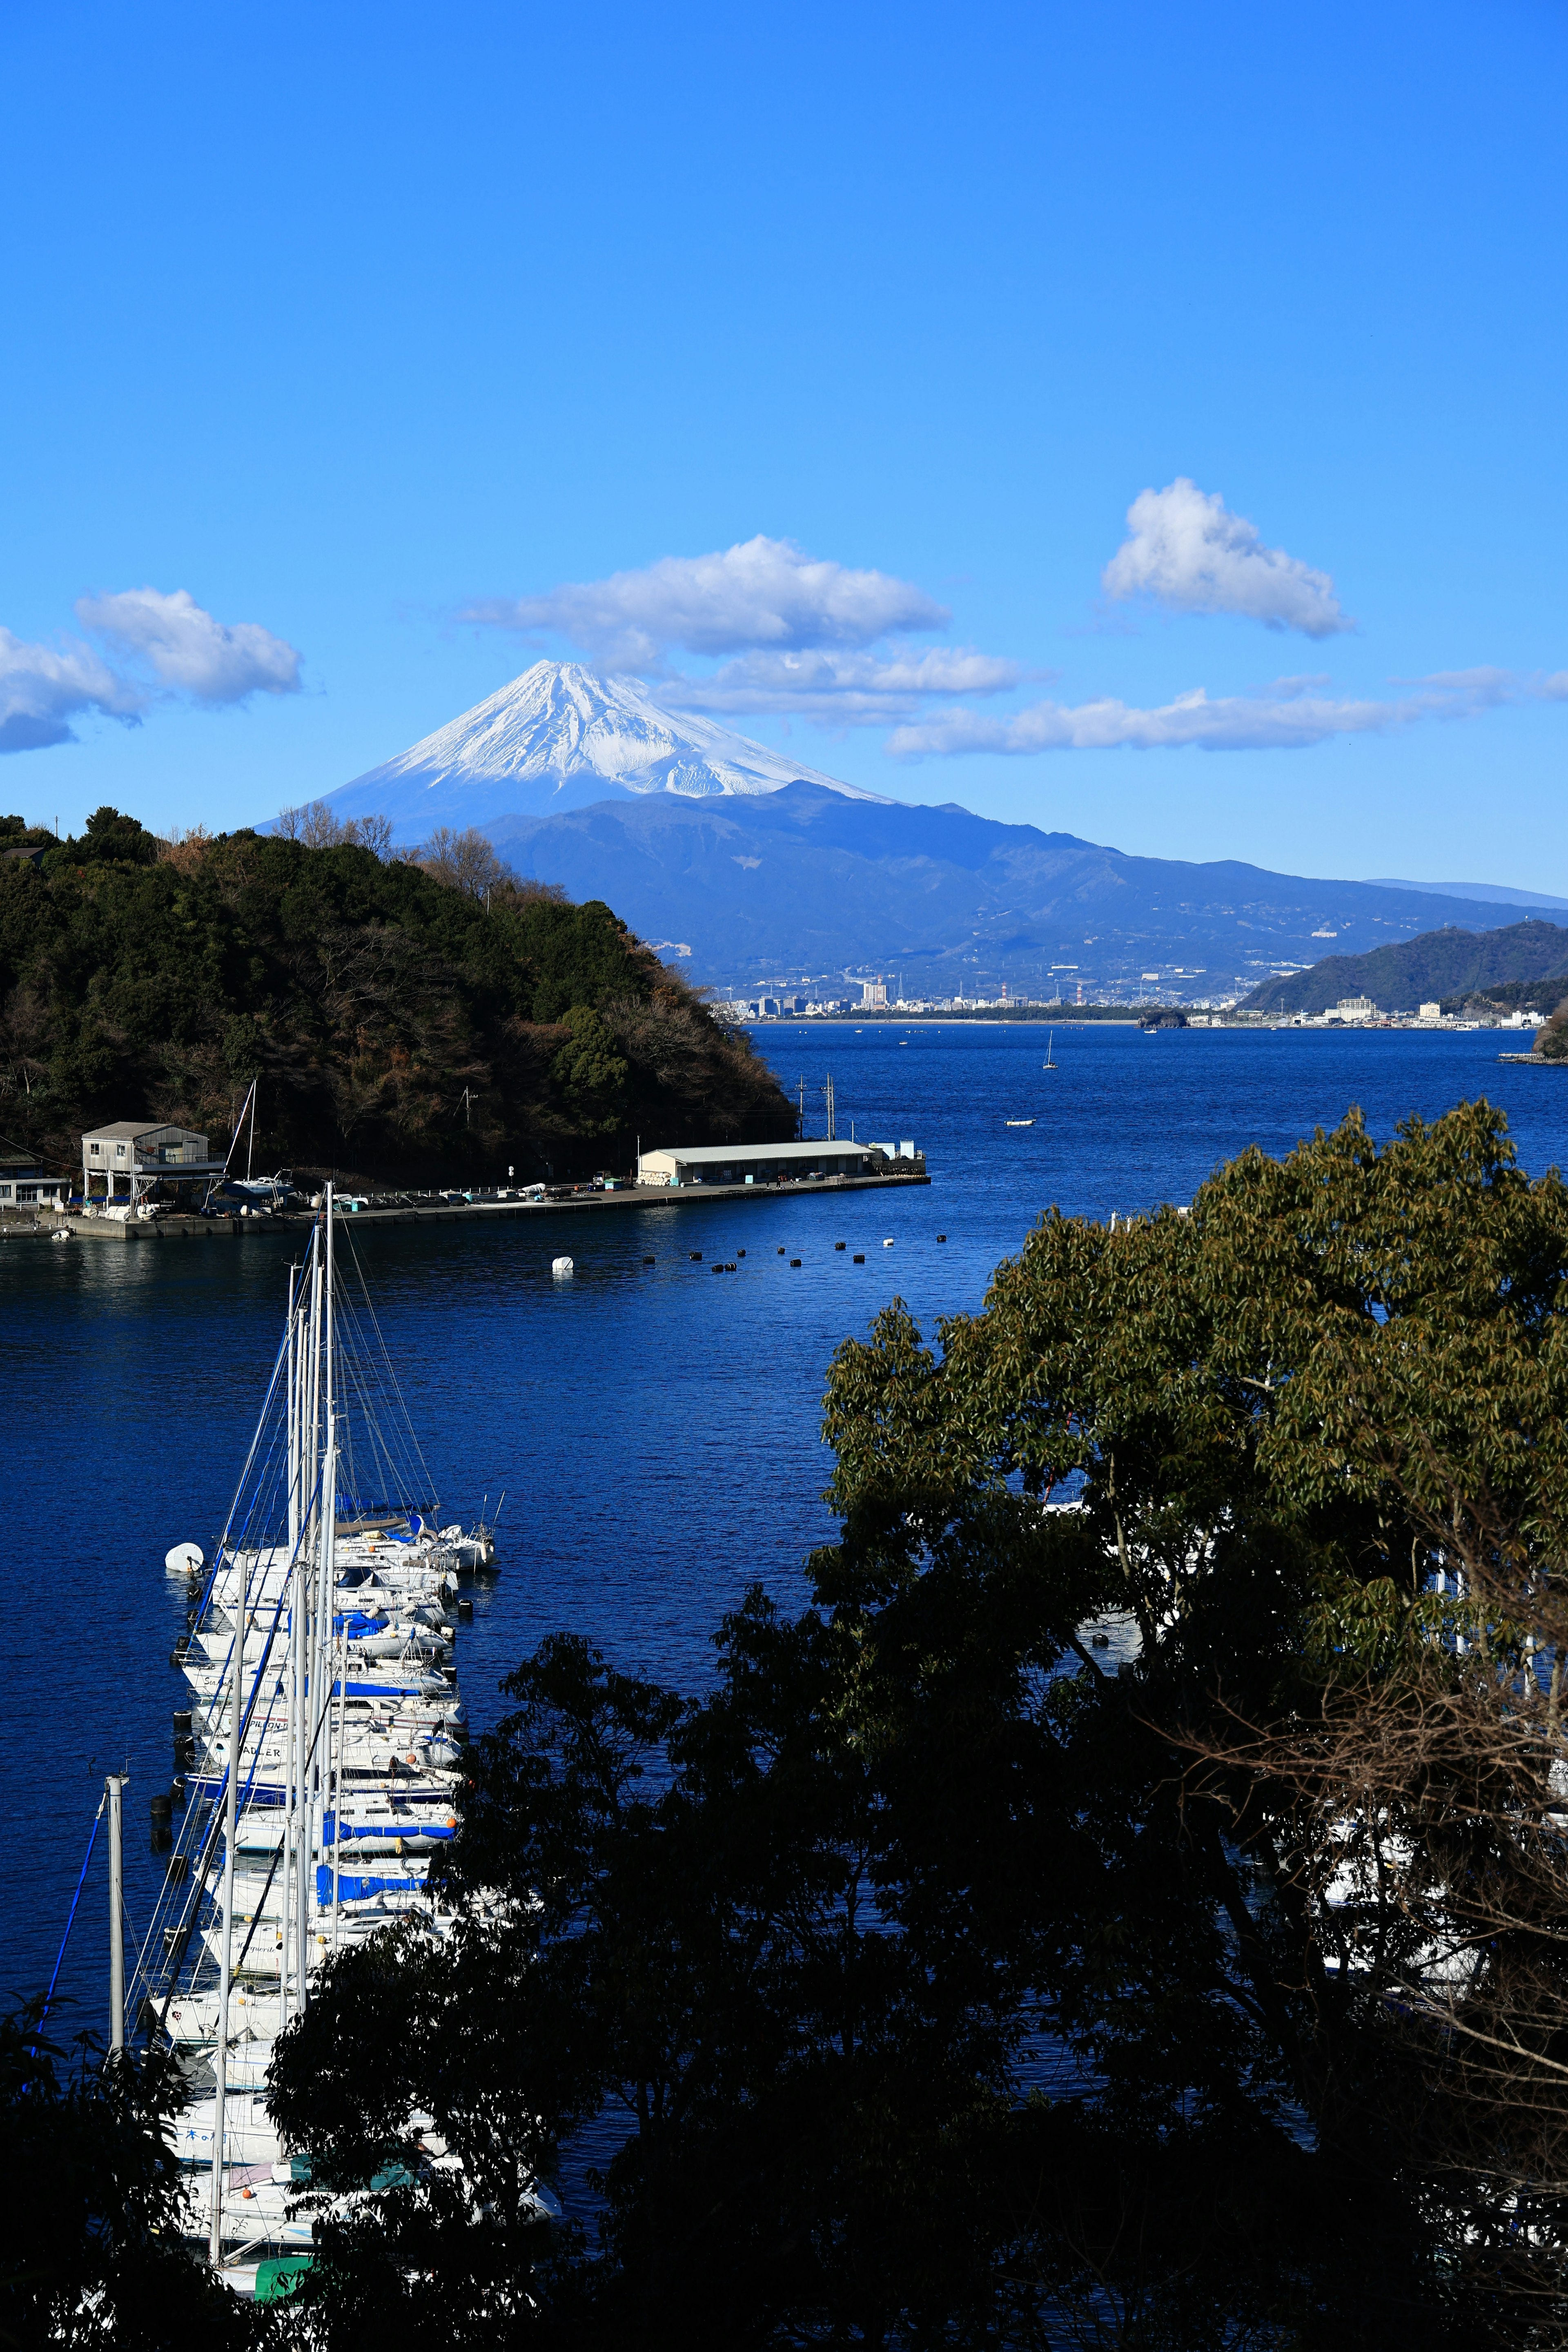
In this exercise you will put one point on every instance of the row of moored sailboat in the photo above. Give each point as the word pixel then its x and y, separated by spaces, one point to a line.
pixel 322 1739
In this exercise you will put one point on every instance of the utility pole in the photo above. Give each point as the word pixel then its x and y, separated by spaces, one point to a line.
pixel 114 1786
pixel 827 1094
pixel 802 1094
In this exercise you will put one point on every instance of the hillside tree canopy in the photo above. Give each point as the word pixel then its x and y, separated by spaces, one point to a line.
pixel 403 1021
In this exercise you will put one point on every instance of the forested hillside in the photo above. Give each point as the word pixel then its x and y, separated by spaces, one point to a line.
pixel 1434 966
pixel 401 1024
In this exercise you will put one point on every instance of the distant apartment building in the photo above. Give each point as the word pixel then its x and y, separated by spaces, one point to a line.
pixel 873 992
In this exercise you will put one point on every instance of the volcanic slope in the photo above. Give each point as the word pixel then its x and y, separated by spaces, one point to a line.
pixel 557 737
pixel 804 879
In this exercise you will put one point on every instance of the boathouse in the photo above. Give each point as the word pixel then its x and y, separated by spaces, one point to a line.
pixel 773 1163
pixel 144 1154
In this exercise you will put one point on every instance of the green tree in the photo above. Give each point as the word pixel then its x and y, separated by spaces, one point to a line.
pixel 1551 1037
pixel 93 2254
pixel 110 839
pixel 945 1977
pixel 589 1075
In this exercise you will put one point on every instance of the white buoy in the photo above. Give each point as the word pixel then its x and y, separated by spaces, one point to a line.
pixel 887 1244
pixel 183 1560
pixel 561 1267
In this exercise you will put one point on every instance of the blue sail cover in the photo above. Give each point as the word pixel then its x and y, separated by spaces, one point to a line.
pixel 360 1833
pixel 353 1886
pixel 424 1687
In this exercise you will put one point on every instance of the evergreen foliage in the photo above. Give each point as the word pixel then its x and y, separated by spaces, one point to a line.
pixel 934 1979
pixel 92 2252
pixel 401 1024
pixel 1552 1038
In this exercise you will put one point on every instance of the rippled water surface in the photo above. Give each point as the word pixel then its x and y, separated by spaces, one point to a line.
pixel 656 1428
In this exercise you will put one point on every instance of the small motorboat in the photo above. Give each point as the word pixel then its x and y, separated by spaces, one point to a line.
pixel 1020 1122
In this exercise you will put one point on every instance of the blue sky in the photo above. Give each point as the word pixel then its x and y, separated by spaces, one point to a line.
pixel 336 328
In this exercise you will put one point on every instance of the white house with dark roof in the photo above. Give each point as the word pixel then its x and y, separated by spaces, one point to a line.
pixel 144 1154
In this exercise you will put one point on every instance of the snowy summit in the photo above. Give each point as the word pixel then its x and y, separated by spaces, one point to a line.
pixel 558 738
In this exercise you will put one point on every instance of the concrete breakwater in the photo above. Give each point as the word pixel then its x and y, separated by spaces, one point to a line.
pixel 25 1224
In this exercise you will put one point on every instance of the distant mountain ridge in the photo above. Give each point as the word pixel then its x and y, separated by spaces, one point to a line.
pixel 1481 893
pixel 806 880
pixel 556 737
pixel 1449 962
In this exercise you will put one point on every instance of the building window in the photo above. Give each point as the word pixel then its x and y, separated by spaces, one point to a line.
pixel 26 1193
pixel 95 1151
pixel 119 1151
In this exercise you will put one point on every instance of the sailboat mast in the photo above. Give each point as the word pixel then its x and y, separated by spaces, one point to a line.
pixel 293 1375
pixel 329 1557
pixel 290 1711
pixel 338 1779
pixel 307 1680
pixel 231 1816
pixel 115 1787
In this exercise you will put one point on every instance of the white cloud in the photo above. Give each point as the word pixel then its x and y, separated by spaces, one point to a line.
pixel 1187 551
pixel 842 690
pixel 1289 717
pixel 44 687
pixel 188 650
pixel 766 592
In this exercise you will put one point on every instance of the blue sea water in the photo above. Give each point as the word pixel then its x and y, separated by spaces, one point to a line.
pixel 656 1428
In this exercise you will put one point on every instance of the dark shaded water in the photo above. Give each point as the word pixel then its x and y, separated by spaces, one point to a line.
pixel 655 1428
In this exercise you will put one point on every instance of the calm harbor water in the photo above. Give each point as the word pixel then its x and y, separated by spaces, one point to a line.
pixel 655 1428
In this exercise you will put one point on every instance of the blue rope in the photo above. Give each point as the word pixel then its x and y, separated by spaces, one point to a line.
pixel 70 1923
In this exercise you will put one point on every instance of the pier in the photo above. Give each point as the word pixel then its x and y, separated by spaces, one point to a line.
pixel 418 1209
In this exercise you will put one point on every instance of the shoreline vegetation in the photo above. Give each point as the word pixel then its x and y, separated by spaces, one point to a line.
pixel 413 1015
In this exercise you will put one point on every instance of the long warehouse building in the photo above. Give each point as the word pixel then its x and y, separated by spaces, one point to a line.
pixel 773 1164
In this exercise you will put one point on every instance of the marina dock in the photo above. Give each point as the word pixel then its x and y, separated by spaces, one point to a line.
pixel 420 1209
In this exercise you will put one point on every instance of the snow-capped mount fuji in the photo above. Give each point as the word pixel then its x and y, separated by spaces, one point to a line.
pixel 561 737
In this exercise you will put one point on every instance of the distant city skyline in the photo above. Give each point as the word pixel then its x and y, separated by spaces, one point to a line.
pixel 1137 425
